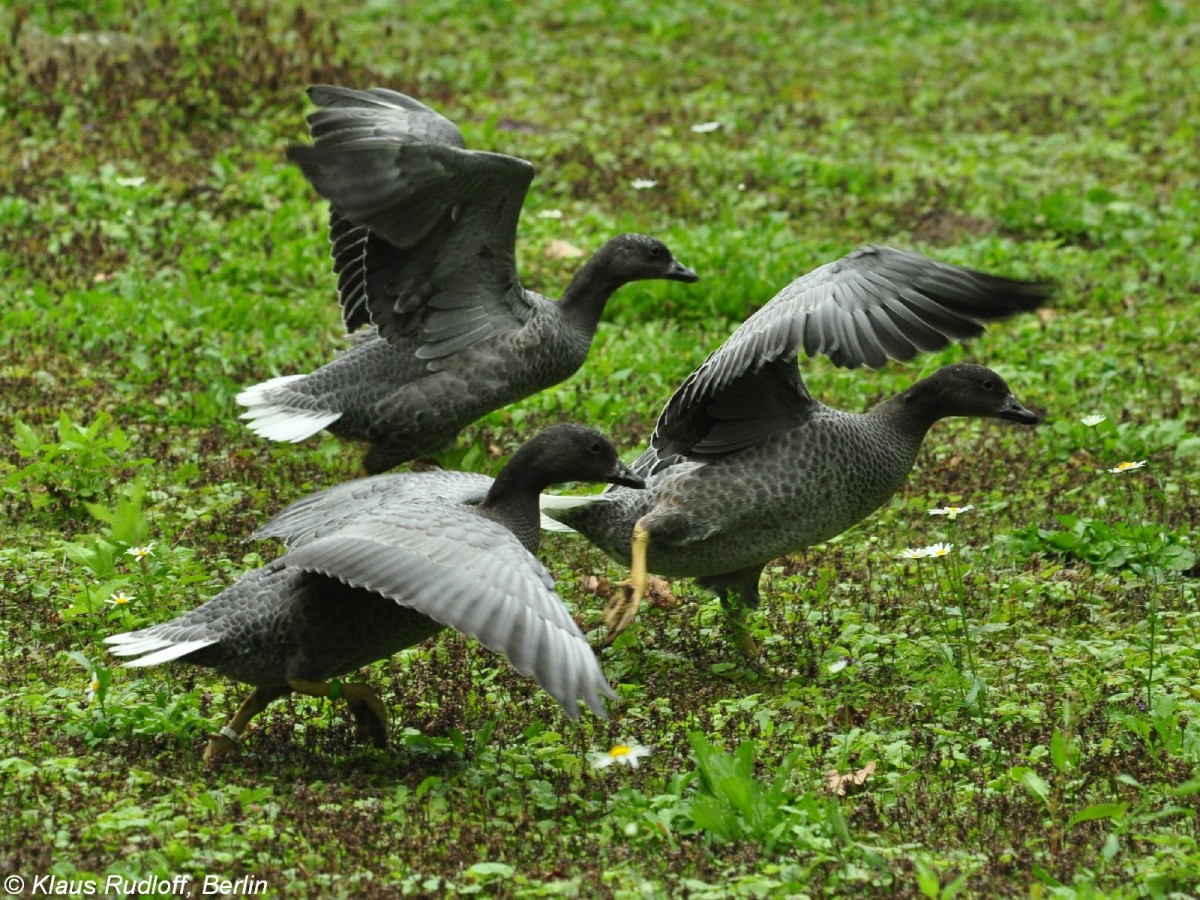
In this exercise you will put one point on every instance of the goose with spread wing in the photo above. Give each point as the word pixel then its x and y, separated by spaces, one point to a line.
pixel 380 564
pixel 423 234
pixel 745 466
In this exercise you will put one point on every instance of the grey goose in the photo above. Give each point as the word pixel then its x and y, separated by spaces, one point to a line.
pixel 380 564
pixel 745 466
pixel 423 234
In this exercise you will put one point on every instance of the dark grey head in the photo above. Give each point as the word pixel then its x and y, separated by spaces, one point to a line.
pixel 965 389
pixel 636 257
pixel 564 453
pixel 560 453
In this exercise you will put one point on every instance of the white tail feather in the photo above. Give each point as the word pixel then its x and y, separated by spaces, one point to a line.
pixel 257 394
pixel 156 650
pixel 271 419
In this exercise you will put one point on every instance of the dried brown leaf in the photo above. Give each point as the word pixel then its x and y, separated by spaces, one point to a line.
pixel 836 783
pixel 598 585
pixel 658 593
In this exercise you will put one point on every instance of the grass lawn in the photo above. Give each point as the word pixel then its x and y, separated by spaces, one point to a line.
pixel 1024 713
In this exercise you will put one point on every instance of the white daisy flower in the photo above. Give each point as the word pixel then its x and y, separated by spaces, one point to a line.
pixel 120 598
pixel 1127 466
pixel 1093 421
pixel 93 688
pixel 550 214
pixel 140 553
pixel 642 184
pixel 926 552
pixel 951 512
pixel 706 127
pixel 626 754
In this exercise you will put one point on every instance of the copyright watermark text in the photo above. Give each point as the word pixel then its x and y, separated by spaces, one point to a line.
pixel 153 886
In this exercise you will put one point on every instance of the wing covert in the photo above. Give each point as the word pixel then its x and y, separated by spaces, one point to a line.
pixel 415 217
pixel 871 305
pixel 472 575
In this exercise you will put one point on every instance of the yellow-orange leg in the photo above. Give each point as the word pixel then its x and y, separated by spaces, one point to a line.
pixel 622 608
pixel 370 715
pixel 224 740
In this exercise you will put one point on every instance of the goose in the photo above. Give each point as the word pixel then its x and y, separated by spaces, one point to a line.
pixel 379 564
pixel 745 465
pixel 423 235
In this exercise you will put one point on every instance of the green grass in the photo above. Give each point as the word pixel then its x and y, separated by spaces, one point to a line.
pixel 1031 702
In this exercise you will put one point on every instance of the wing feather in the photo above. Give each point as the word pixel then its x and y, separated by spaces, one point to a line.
pixel 470 574
pixel 414 214
pixel 333 508
pixel 871 305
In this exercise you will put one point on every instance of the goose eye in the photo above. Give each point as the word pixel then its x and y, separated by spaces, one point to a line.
pixel 597 447
pixel 989 385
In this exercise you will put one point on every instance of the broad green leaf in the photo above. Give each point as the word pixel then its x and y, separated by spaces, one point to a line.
pixel 1098 811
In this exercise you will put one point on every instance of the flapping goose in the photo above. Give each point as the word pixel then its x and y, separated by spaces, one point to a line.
pixel 377 565
pixel 745 466
pixel 423 235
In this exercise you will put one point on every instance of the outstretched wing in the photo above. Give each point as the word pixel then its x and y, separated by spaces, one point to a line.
pixel 327 511
pixel 423 231
pixel 871 305
pixel 470 574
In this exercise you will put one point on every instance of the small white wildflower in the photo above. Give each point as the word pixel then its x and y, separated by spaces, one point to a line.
pixel 1127 466
pixel 140 553
pixel 626 754
pixel 642 184
pixel 120 598
pixel 951 512
pixel 550 214
pixel 706 127
pixel 93 688
pixel 1093 421
pixel 135 181
pixel 926 552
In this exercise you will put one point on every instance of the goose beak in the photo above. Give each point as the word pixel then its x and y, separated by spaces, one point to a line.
pixel 680 272
pixel 623 475
pixel 1012 410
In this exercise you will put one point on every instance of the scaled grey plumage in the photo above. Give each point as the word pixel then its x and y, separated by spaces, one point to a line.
pixel 380 564
pixel 745 466
pixel 423 235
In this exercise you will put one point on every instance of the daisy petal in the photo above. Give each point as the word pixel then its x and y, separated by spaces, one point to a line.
pixel 1127 466
pixel 627 754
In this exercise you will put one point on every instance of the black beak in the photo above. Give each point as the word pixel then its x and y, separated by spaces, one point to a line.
pixel 1013 411
pixel 680 272
pixel 623 475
